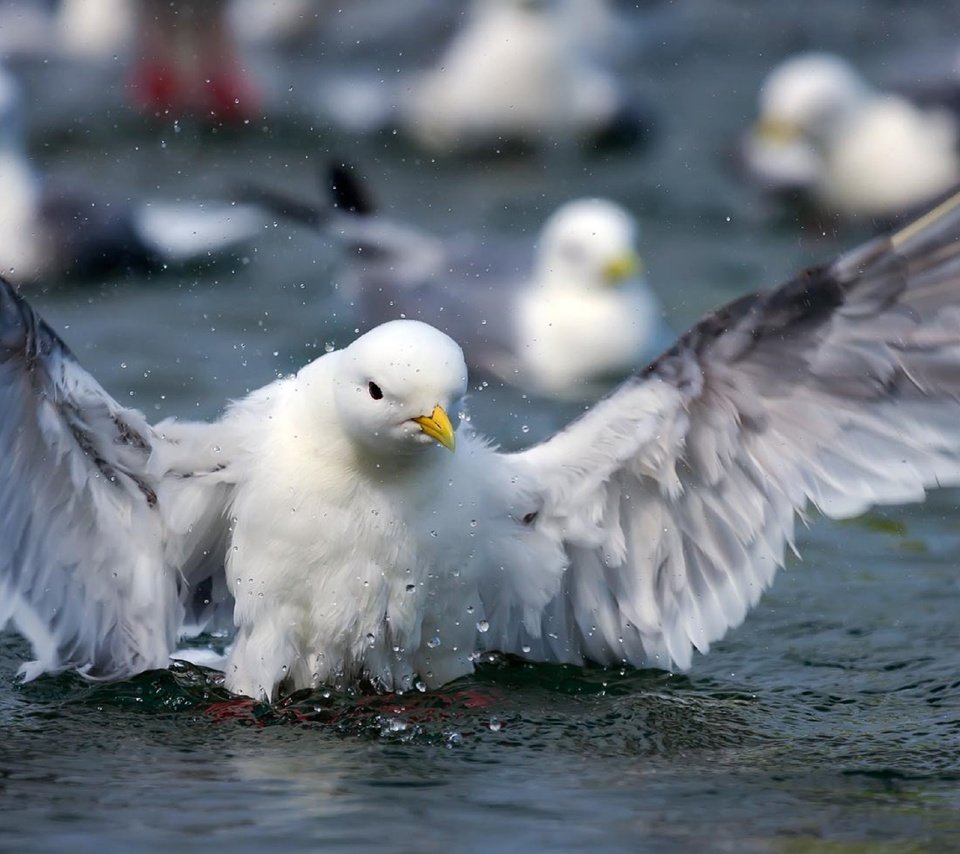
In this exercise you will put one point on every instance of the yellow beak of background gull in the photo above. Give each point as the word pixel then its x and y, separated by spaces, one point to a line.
pixel 437 426
pixel 774 131
pixel 622 268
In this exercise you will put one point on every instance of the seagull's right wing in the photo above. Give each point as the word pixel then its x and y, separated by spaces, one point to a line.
pixel 673 499
pixel 100 514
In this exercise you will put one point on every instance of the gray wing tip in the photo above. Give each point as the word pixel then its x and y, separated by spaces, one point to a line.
pixel 14 313
pixel 940 221
pixel 813 296
pixel 23 332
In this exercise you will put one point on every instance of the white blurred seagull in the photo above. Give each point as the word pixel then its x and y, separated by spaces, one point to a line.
pixel 562 321
pixel 364 541
pixel 565 318
pixel 854 151
pixel 519 72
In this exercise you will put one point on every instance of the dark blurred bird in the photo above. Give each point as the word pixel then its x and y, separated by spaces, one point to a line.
pixel 49 231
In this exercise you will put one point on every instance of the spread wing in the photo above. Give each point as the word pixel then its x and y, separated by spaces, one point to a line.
pixel 107 526
pixel 675 497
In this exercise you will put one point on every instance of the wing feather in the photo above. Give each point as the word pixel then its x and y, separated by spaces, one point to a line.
pixel 676 497
pixel 85 540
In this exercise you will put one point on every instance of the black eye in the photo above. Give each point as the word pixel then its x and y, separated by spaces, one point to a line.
pixel 375 391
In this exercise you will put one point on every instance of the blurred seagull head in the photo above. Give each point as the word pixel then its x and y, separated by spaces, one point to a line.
pixel 808 97
pixel 589 244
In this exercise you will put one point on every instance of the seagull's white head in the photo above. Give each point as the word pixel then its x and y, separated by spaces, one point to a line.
pixel 808 96
pixel 398 388
pixel 588 243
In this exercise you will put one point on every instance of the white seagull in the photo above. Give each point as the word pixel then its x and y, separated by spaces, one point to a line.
pixel 854 151
pixel 515 71
pixel 519 72
pixel 363 540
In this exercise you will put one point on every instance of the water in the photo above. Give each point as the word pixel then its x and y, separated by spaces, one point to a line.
pixel 829 721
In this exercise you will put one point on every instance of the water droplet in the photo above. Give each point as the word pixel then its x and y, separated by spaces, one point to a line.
pixel 483 626
pixel 371 640
pixel 411 588
pixel 495 725
pixel 525 648
pixel 434 642
pixel 469 609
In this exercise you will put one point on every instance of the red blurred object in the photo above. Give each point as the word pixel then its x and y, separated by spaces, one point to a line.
pixel 188 64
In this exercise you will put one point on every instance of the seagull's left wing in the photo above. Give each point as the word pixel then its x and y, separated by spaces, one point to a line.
pixel 674 498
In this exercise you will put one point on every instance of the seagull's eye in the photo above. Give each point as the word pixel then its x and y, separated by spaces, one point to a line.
pixel 375 391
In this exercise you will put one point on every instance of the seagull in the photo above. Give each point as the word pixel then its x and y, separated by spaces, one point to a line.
pixel 518 74
pixel 824 133
pixel 564 319
pixel 362 540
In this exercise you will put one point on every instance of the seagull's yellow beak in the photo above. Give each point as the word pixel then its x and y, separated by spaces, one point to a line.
pixel 622 268
pixel 438 427
pixel 776 131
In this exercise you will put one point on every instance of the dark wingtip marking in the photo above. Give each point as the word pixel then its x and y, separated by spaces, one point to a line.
pixel 126 435
pixel 147 491
pixel 347 192
pixel 23 333
pixel 805 301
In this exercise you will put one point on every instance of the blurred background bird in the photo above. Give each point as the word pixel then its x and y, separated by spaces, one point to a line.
pixel 824 133
pixel 58 228
pixel 564 316
pixel 518 73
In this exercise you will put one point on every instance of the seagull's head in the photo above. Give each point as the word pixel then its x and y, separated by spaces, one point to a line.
pixel 589 244
pixel 398 388
pixel 806 97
